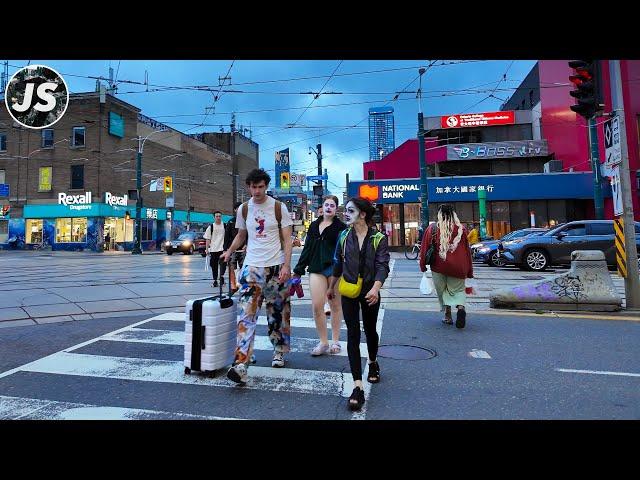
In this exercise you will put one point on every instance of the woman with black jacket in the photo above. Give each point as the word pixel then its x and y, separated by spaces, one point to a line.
pixel 362 255
pixel 317 256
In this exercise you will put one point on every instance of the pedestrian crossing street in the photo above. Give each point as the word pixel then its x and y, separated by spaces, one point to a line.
pixel 137 372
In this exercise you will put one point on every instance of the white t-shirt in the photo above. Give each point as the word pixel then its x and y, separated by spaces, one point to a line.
pixel 263 245
pixel 218 237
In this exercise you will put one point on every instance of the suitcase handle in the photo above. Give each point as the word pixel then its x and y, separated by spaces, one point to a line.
pixel 202 330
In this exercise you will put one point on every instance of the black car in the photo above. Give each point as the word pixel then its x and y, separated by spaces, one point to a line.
pixel 187 243
pixel 555 247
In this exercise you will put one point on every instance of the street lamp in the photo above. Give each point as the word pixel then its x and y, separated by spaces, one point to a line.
pixel 137 249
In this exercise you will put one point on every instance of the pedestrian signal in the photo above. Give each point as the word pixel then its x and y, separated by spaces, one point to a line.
pixel 168 185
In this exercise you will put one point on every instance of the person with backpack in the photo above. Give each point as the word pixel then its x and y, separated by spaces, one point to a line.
pixel 445 247
pixel 215 241
pixel 265 225
pixel 317 257
pixel 361 264
pixel 230 232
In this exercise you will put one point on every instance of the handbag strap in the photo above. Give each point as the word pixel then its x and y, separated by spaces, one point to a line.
pixel 363 252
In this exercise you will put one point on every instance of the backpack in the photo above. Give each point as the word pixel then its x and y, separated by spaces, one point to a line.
pixel 375 238
pixel 277 212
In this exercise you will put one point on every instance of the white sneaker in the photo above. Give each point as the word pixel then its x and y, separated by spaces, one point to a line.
pixel 238 373
pixel 278 360
pixel 327 309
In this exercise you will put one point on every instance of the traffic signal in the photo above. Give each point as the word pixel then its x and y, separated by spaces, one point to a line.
pixel 586 80
pixel 168 185
pixel 284 180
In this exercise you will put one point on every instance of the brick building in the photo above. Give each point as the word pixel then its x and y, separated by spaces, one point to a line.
pixel 92 150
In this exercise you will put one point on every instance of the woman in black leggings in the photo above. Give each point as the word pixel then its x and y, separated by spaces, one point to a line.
pixel 362 255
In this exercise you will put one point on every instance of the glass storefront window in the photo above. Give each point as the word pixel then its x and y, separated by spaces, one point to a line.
pixel 71 230
pixel 498 223
pixel 120 229
pixel 33 231
pixel 391 223
pixel 4 230
pixel 411 222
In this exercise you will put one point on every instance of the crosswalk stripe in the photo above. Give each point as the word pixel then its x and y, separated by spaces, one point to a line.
pixel 262 342
pixel 301 322
pixel 14 408
pixel 164 371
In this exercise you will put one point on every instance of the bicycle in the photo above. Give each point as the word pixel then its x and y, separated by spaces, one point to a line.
pixel 412 251
pixel 44 245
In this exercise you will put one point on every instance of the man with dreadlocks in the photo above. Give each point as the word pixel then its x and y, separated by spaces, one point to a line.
pixel 450 262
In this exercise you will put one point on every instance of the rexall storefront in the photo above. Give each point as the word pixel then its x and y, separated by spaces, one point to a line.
pixel 76 223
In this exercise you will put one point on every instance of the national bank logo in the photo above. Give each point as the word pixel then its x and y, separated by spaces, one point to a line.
pixel 369 192
pixel 36 96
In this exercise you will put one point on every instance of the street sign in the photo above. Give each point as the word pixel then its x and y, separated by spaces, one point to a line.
pixel 169 202
pixel 616 192
pixel 317 178
pixel 612 147
pixel 4 189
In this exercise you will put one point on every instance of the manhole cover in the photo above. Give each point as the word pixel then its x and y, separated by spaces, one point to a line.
pixel 406 352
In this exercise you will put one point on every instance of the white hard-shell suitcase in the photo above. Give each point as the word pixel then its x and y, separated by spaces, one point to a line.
pixel 210 333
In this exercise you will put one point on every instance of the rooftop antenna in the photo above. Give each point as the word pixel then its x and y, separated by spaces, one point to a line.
pixel 5 77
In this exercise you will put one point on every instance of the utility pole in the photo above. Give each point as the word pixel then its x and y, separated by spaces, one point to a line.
pixel 631 282
pixel 137 232
pixel 598 202
pixel 319 155
pixel 424 193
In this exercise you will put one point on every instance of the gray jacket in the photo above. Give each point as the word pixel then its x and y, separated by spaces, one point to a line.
pixel 376 261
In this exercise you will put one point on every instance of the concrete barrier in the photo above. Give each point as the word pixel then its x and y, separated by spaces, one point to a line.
pixel 587 286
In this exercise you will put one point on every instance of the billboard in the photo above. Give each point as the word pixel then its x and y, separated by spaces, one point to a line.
pixel 478 119
pixel 116 124
pixel 514 149
pixel 282 165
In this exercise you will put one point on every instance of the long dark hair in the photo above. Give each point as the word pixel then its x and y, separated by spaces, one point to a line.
pixel 365 206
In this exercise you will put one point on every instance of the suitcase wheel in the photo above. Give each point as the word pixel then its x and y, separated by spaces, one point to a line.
pixel 187 370
pixel 211 374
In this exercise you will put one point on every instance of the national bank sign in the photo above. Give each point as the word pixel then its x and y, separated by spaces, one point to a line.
pixel 387 191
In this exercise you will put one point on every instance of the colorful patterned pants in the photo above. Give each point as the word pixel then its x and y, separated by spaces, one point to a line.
pixel 258 284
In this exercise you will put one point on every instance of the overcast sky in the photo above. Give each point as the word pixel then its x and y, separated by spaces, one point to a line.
pixel 269 98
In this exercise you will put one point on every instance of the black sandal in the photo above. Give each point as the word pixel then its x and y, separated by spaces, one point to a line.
pixel 461 318
pixel 374 373
pixel 358 396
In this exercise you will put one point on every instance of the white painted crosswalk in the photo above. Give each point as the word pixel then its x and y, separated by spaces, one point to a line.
pixel 70 362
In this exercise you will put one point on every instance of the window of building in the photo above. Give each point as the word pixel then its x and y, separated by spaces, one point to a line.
pixel 391 223
pixel 47 138
pixel 44 179
pixel 3 176
pixel 147 230
pixel 601 229
pixel 70 230
pixel 33 231
pixel 77 177
pixel 4 231
pixel 77 139
pixel 120 229
pixel 411 222
pixel 370 175
pixel 3 142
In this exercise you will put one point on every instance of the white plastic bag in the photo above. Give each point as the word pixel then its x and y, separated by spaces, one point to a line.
pixel 426 284
pixel 206 263
pixel 471 285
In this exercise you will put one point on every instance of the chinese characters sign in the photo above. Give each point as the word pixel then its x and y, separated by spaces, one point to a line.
pixel 478 119
pixel 152 213
pixel 464 189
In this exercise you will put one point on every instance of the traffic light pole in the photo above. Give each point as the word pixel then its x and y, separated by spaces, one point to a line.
pixel 424 174
pixel 632 281
pixel 595 166
pixel 319 155
pixel 137 232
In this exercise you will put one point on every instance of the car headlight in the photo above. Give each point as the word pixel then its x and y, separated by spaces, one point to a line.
pixel 186 243
pixel 167 244
pixel 483 249
pixel 476 245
